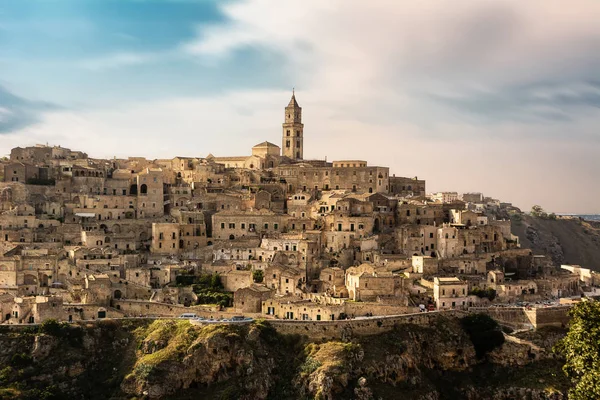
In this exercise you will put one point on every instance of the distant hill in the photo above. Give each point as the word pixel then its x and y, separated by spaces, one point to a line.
pixel 567 240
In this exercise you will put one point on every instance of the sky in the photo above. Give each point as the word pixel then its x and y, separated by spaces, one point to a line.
pixel 500 97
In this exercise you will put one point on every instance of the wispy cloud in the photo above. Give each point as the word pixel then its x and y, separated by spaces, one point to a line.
pixel 118 60
pixel 17 113
pixel 495 96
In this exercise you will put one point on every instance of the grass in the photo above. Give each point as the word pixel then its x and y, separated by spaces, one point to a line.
pixel 167 340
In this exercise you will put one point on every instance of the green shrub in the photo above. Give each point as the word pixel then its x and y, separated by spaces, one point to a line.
pixel 184 280
pixel 51 327
pixel 481 293
pixel 74 334
pixel 20 360
pixel 484 332
pixel 257 276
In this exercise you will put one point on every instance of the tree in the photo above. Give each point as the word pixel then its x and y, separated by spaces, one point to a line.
pixel 215 282
pixel 538 211
pixel 581 349
pixel 257 276
pixel 484 332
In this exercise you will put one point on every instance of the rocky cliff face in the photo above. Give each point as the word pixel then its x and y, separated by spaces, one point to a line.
pixel 174 359
pixel 564 240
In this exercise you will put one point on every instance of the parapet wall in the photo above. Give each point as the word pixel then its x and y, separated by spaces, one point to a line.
pixel 549 316
pixel 515 317
pixel 133 308
pixel 520 317
pixel 343 329
pixel 136 308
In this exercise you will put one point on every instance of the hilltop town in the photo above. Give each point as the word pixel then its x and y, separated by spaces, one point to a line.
pixel 269 234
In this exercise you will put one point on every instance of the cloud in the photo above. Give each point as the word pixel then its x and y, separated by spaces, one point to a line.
pixel 499 97
pixel 17 112
pixel 535 102
pixel 479 53
pixel 118 60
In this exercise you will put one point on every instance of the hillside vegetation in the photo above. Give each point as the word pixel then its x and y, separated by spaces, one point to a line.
pixel 170 359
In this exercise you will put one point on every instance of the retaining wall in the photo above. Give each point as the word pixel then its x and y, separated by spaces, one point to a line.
pixel 520 317
pixel 342 329
pixel 134 308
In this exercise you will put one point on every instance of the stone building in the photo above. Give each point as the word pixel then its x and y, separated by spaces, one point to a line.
pixel 229 225
pixel 366 283
pixel 284 280
pixel 293 131
pixel 404 187
pixel 297 308
pixel 450 293
pixel 251 298
pixel 150 197
pixel 165 238
pixel 93 230
pixel 350 177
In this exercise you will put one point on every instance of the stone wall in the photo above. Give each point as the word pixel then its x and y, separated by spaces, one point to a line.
pixel 520 317
pixel 362 308
pixel 549 316
pixel 342 329
pixel 78 312
pixel 134 308
pixel 515 317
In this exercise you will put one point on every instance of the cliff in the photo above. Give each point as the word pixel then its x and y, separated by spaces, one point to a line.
pixel 175 359
pixel 566 240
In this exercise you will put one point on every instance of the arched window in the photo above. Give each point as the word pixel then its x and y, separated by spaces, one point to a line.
pixel 144 189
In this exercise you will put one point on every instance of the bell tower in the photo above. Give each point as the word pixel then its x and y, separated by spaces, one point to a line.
pixel 293 131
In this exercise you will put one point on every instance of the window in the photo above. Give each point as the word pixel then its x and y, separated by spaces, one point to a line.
pixel 266 226
pixel 222 225
pixel 243 226
pixel 231 226
pixel 288 134
pixel 275 226
pixel 287 143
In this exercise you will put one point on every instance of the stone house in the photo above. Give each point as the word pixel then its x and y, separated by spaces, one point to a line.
pixel 450 293
pixel 250 299
pixel 366 283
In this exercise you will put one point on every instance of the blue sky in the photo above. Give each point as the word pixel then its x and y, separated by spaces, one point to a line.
pixel 499 97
